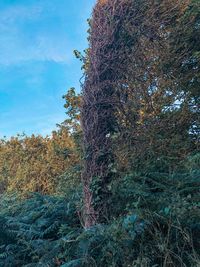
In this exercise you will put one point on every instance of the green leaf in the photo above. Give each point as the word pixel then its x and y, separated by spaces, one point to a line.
pixel 73 263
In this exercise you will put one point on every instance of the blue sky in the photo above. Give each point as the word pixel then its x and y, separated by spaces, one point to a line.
pixel 37 65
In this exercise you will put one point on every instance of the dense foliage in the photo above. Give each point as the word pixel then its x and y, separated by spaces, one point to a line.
pixel 118 185
pixel 44 164
pixel 155 223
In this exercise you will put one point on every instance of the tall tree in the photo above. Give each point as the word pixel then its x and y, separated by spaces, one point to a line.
pixel 133 92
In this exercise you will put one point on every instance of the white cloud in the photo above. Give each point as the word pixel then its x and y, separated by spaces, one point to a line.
pixel 18 43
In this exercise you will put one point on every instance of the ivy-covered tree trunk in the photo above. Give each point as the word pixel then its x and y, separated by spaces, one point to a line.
pixel 98 113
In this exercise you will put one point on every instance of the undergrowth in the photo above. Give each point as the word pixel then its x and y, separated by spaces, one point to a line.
pixel 154 222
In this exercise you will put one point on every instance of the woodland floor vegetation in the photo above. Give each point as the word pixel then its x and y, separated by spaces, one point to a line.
pixel 118 184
